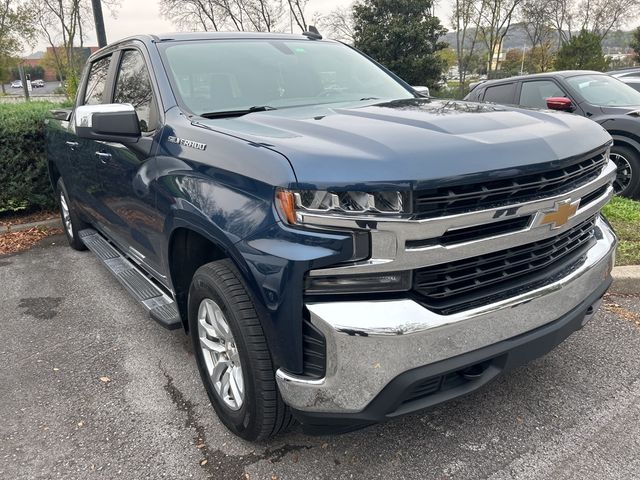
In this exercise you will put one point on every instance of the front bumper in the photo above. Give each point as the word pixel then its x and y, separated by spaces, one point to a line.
pixel 372 343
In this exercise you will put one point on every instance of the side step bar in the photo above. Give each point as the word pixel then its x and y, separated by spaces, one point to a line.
pixel 161 306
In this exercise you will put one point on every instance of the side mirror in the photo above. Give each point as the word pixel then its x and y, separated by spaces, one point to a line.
pixel 559 103
pixel 422 91
pixel 112 122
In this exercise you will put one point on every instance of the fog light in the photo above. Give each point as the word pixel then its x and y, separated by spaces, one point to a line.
pixel 367 283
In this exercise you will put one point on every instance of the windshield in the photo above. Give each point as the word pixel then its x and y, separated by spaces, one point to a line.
pixel 231 75
pixel 605 91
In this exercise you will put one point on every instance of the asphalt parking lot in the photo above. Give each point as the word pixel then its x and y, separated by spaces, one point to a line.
pixel 90 387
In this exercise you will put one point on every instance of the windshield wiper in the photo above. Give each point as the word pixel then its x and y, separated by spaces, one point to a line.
pixel 237 113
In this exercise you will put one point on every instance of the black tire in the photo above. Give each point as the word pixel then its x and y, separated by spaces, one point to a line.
pixel 263 413
pixel 627 182
pixel 71 225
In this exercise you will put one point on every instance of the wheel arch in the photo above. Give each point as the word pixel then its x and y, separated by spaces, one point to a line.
pixel 189 247
pixel 632 143
pixel 626 140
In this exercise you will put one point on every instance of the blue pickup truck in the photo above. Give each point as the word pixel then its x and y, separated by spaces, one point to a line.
pixel 340 249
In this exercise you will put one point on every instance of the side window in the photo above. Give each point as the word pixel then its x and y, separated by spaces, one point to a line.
pixel 500 93
pixel 535 94
pixel 94 93
pixel 134 86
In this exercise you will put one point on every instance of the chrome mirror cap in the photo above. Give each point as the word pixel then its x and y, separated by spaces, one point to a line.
pixel 84 113
pixel 422 90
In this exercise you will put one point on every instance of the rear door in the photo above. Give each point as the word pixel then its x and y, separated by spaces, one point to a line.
pixel 126 170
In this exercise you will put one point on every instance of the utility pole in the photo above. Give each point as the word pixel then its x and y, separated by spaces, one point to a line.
pixel 99 21
pixel 23 79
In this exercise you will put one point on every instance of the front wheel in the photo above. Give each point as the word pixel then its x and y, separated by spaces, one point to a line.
pixel 232 354
pixel 627 181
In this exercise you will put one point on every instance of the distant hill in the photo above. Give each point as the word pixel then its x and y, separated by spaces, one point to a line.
pixel 517 38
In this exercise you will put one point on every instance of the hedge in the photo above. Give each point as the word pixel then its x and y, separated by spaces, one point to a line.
pixel 24 181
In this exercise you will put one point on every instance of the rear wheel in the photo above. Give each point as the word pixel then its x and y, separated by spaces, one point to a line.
pixel 627 181
pixel 232 354
pixel 70 220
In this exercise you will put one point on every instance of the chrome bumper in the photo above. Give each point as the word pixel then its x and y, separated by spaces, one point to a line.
pixel 369 343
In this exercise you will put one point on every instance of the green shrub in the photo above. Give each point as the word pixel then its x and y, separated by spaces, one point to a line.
pixel 24 181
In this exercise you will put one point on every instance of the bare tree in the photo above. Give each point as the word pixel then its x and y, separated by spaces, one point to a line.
pixel 64 25
pixel 536 17
pixel 214 15
pixel 337 24
pixel 59 22
pixel 16 28
pixel 263 15
pixel 596 16
pixel 204 15
pixel 466 21
pixel 537 20
pixel 495 21
pixel 296 10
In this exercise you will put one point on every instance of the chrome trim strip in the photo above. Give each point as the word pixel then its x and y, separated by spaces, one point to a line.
pixel 369 343
pixel 389 236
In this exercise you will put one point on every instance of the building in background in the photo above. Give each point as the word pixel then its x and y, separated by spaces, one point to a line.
pixel 45 60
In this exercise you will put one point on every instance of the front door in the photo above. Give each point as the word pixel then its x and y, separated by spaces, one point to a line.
pixel 126 170
pixel 82 179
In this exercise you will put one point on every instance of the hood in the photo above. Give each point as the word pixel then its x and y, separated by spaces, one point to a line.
pixel 415 142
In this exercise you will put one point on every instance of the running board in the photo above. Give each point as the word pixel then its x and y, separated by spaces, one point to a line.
pixel 160 306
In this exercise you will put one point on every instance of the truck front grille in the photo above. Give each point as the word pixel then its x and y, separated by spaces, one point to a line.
pixel 443 201
pixel 451 287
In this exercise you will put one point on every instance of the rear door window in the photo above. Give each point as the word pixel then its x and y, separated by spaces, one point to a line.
pixel 94 93
pixel 503 93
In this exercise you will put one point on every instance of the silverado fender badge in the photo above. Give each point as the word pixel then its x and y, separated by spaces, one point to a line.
pixel 560 215
pixel 187 143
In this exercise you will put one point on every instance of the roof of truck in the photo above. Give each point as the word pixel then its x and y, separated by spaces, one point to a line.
pixel 195 36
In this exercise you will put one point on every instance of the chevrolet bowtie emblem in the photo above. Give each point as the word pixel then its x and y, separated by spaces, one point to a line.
pixel 560 215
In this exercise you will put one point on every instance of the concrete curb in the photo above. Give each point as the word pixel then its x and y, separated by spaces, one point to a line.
pixel 626 280
pixel 54 222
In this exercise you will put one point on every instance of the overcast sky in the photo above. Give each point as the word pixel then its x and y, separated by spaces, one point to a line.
pixel 143 16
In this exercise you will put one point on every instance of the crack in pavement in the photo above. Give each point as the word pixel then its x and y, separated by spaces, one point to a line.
pixel 216 461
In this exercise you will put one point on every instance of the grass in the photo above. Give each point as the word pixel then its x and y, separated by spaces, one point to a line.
pixel 624 215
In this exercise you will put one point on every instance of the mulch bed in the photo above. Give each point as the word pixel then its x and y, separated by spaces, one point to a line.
pixel 12 242
pixel 19 219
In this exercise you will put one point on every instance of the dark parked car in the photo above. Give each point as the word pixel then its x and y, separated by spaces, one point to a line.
pixel 630 76
pixel 594 95
pixel 341 250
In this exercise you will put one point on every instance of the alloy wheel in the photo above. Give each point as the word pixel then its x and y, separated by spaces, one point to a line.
pixel 66 216
pixel 220 354
pixel 623 173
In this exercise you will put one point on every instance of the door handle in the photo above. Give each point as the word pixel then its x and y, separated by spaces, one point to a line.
pixel 72 144
pixel 104 157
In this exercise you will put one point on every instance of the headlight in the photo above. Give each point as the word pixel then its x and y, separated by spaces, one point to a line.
pixel 291 203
